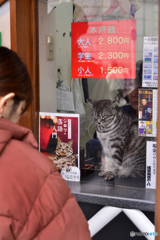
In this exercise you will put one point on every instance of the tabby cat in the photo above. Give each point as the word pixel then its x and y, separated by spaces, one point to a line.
pixel 65 157
pixel 124 152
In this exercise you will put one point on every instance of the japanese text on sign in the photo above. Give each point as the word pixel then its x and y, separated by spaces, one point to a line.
pixel 151 164
pixel 104 49
pixel 63 126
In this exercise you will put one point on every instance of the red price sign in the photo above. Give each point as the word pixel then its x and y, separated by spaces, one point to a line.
pixel 105 49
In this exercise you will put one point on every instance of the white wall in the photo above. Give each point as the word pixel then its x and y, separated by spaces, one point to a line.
pixel 47 73
pixel 58 24
pixel 63 19
pixel 5 24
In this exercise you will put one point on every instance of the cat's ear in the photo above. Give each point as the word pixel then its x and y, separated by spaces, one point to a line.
pixel 70 143
pixel 115 105
pixel 58 140
pixel 91 101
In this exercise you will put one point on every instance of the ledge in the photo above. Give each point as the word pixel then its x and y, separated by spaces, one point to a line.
pixel 122 193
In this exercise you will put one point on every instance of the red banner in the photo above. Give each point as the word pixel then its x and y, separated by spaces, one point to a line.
pixel 105 49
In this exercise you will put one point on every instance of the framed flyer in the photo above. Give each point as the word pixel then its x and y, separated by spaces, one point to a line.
pixel 147 112
pixel 150 62
pixel 59 141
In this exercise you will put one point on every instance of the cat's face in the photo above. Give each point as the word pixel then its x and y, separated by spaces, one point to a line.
pixel 64 149
pixel 103 113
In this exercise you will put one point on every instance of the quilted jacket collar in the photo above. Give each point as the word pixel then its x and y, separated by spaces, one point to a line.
pixel 9 130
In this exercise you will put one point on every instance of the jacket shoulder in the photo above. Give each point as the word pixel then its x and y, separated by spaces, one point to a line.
pixel 35 191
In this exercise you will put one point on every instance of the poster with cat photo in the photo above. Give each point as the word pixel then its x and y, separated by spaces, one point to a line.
pixel 59 141
pixel 147 112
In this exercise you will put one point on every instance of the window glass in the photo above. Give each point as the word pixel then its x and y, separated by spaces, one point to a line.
pixel 100 60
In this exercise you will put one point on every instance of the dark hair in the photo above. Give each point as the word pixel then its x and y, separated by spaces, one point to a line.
pixel 14 77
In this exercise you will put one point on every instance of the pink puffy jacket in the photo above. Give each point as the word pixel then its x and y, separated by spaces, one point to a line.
pixel 35 202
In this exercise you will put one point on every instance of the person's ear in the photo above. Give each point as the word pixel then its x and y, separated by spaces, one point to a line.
pixel 3 101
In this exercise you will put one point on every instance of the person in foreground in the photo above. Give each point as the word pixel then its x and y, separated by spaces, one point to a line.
pixel 35 201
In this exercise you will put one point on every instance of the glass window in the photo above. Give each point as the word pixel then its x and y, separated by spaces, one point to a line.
pixel 100 60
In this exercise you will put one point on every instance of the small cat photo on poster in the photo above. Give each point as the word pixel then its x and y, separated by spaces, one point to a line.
pixel 65 158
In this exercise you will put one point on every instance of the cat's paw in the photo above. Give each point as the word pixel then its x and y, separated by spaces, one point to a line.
pixel 107 176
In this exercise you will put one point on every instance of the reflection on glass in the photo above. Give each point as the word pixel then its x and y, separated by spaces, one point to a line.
pixel 108 68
